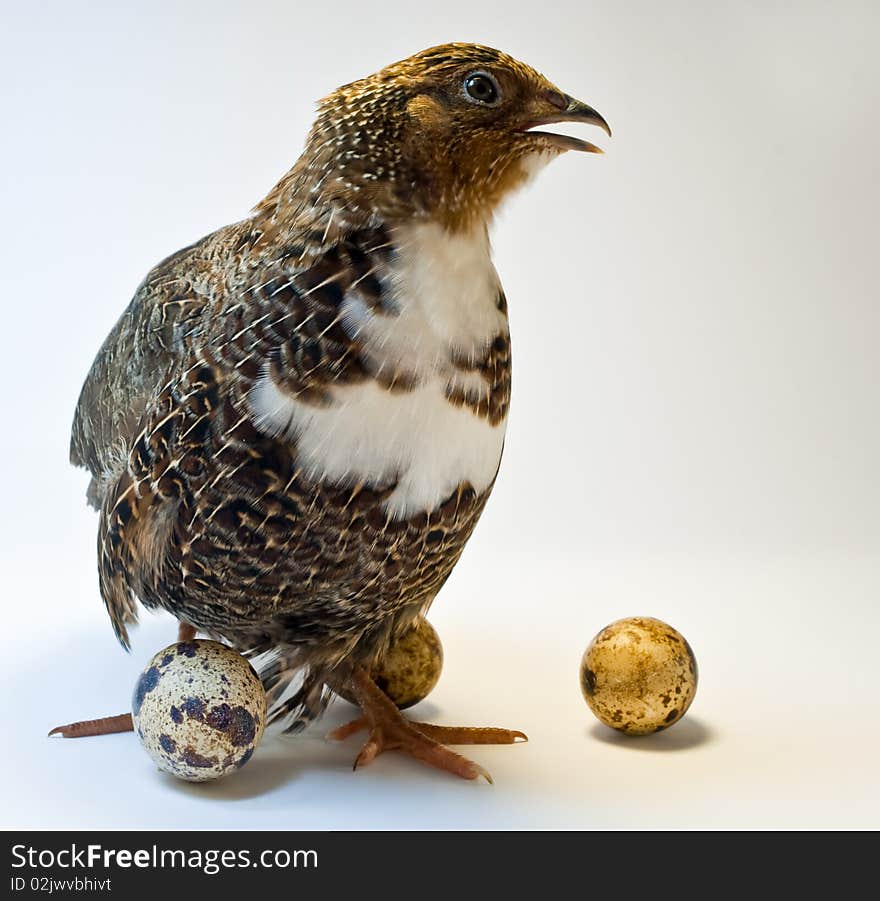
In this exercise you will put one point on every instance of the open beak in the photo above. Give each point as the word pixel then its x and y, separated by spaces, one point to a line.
pixel 567 109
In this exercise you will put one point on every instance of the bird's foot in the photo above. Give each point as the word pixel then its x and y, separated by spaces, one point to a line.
pixel 106 725
pixel 389 730
pixel 122 722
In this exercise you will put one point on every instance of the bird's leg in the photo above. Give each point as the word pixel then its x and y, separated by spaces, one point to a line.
pixel 185 632
pixel 389 730
pixel 121 722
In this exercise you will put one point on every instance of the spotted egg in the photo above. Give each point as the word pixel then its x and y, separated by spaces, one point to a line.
pixel 639 675
pixel 199 710
pixel 409 670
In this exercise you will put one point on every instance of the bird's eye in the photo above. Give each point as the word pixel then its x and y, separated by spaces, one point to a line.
pixel 482 88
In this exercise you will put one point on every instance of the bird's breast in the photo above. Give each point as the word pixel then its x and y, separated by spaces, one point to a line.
pixel 418 440
pixel 432 413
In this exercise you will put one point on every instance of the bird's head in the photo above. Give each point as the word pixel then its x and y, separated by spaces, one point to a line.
pixel 443 135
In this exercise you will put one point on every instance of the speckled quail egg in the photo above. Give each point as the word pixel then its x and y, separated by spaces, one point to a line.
pixel 199 710
pixel 639 675
pixel 410 669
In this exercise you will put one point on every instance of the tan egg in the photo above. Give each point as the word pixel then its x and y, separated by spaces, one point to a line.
pixel 639 675
pixel 411 668
pixel 199 710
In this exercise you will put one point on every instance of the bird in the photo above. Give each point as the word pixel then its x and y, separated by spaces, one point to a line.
pixel 295 425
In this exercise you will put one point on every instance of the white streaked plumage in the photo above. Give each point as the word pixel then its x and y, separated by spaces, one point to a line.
pixel 373 436
pixel 445 291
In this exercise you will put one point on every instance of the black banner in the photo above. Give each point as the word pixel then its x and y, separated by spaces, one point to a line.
pixel 411 864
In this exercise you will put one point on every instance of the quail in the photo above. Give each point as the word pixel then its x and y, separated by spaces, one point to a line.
pixel 295 425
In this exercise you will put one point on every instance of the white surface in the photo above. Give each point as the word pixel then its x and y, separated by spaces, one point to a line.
pixel 783 730
pixel 694 431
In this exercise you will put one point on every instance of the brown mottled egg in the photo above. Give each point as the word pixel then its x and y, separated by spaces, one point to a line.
pixel 199 710
pixel 411 668
pixel 639 675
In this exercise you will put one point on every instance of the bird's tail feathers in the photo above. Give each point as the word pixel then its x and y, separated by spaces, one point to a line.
pixel 296 690
pixel 115 589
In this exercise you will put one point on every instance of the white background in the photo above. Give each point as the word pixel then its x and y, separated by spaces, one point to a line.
pixel 694 434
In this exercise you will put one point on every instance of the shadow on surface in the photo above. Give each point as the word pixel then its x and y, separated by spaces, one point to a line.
pixel 278 762
pixel 281 759
pixel 689 733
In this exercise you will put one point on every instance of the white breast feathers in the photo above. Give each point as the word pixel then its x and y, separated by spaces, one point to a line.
pixel 444 290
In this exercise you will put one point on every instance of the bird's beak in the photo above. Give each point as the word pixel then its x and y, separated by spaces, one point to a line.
pixel 559 107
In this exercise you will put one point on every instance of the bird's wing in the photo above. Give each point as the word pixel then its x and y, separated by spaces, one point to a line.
pixel 196 452
pixel 286 320
pixel 136 359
